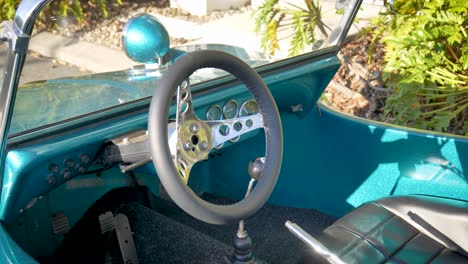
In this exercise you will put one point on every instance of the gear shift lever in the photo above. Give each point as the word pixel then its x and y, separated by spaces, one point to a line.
pixel 242 242
pixel 256 168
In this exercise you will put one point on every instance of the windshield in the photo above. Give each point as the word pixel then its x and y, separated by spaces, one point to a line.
pixel 101 57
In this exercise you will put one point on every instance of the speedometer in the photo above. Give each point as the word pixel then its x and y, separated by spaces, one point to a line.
pixel 249 107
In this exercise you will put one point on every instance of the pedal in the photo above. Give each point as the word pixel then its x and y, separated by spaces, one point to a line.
pixel 125 238
pixel 121 226
pixel 108 258
pixel 60 224
pixel 107 222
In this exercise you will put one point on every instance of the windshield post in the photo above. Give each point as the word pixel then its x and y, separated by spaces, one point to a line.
pixel 16 35
pixel 339 35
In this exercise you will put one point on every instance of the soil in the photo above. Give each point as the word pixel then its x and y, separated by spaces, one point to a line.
pixel 357 87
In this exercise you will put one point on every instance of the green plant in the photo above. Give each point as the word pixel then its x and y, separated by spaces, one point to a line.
pixel 273 20
pixel 426 67
pixel 60 8
pixel 7 9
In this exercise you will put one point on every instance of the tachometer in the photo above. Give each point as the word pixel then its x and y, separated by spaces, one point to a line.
pixel 214 113
pixel 230 109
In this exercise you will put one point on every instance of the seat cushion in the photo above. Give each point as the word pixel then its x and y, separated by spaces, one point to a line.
pixel 405 229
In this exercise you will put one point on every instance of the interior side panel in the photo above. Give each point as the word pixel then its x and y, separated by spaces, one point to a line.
pixel 334 163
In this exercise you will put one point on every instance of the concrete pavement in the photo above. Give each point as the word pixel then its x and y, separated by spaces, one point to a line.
pixel 41 68
pixel 86 55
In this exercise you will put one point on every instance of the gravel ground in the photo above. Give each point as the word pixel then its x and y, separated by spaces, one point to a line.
pixel 96 29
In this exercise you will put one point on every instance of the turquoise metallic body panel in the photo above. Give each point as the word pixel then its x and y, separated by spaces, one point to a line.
pixel 11 252
pixel 26 173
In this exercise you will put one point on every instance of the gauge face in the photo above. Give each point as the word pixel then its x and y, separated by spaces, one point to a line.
pixel 230 109
pixel 249 107
pixel 214 113
pixel 237 127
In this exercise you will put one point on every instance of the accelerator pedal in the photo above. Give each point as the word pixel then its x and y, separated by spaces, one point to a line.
pixel 121 226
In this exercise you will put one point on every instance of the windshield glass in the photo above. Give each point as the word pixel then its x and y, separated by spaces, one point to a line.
pixel 88 58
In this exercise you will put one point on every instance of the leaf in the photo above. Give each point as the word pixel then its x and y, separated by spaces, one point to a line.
pixel 57 8
pixel 464 61
pixel 440 121
pixel 425 63
pixel 464 130
pixel 272 17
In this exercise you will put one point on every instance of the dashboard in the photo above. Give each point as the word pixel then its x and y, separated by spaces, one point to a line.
pixel 52 160
pixel 68 156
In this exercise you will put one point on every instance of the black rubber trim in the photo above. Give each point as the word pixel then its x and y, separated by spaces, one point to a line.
pixel 182 195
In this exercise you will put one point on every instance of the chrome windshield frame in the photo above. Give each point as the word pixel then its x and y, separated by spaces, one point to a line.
pixel 16 35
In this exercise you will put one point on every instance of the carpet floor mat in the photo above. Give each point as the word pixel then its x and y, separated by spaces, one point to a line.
pixel 159 239
pixel 272 241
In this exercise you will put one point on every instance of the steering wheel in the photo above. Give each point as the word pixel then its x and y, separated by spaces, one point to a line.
pixel 177 146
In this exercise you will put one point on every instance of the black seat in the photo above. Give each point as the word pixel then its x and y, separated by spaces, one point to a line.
pixel 401 229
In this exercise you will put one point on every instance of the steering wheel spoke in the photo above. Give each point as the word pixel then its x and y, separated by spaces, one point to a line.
pixel 183 167
pixel 184 102
pixel 224 130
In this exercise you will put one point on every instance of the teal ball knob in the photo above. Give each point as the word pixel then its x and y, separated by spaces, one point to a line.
pixel 145 39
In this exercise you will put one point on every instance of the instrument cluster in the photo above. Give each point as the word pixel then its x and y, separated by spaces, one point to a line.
pixel 230 110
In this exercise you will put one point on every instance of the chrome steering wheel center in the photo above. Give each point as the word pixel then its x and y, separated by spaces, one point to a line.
pixel 195 140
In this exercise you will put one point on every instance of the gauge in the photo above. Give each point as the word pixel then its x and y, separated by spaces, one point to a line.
pixel 224 130
pixel 230 109
pixel 249 107
pixel 214 113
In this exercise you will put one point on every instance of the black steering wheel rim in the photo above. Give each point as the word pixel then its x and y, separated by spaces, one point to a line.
pixel 162 99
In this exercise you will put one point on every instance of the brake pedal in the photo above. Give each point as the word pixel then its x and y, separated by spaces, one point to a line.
pixel 121 226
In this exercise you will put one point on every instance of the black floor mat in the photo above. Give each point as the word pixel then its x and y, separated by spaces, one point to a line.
pixel 160 239
pixel 272 241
